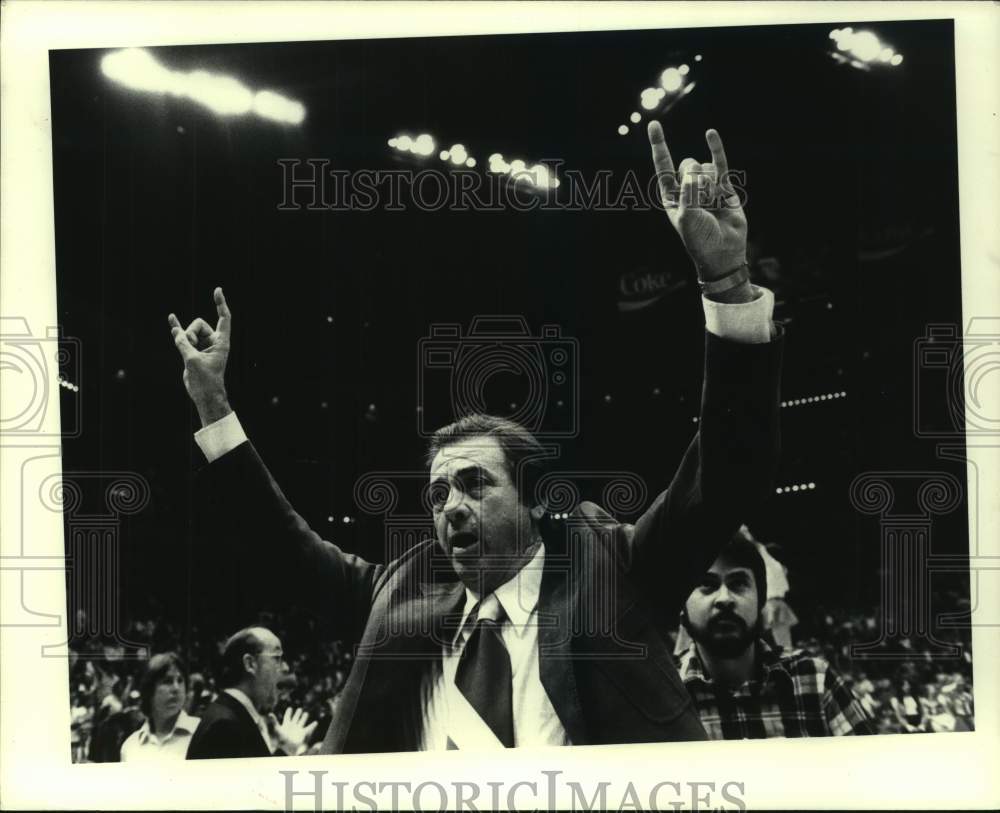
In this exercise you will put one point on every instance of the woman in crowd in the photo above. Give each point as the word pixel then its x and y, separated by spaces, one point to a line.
pixel 908 708
pixel 167 731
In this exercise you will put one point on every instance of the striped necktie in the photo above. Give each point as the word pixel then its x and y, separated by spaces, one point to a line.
pixel 484 670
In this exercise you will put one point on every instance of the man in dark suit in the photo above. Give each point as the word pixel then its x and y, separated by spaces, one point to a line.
pixel 239 722
pixel 499 632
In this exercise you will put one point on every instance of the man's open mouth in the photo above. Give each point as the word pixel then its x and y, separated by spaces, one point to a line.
pixel 462 540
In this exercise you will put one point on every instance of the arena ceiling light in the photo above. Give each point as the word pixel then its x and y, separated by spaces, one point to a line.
pixel 422 145
pixel 456 154
pixel 137 69
pixel 537 175
pixel 862 49
pixel 674 85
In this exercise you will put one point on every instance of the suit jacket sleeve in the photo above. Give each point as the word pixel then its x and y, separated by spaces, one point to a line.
pixel 727 470
pixel 270 555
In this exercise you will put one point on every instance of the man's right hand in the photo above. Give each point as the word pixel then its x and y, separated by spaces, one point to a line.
pixel 205 351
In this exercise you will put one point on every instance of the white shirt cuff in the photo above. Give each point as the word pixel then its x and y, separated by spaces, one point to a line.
pixel 748 322
pixel 220 437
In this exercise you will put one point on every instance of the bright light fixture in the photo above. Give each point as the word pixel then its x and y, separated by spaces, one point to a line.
pixel 865 46
pixel 424 145
pixel 649 98
pixel 635 118
pixel 137 69
pixel 622 130
pixel 271 105
pixel 223 94
pixel 671 80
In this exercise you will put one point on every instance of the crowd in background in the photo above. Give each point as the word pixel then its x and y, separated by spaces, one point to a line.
pixel 903 686
pixel 104 680
pixel 907 685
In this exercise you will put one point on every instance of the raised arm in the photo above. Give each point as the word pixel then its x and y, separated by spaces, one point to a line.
pixel 266 548
pixel 729 465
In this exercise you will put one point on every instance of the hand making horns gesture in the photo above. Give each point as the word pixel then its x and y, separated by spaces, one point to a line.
pixel 702 205
pixel 205 350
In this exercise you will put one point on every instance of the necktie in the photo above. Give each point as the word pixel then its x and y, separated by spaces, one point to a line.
pixel 484 671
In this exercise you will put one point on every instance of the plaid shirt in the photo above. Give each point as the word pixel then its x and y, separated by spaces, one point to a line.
pixel 793 695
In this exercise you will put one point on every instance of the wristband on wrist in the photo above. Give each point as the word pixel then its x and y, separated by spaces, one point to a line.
pixel 731 279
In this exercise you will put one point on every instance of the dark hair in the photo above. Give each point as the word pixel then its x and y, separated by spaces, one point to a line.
pixel 526 458
pixel 156 670
pixel 741 552
pixel 241 643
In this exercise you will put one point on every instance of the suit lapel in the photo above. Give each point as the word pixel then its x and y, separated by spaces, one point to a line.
pixel 419 624
pixel 411 634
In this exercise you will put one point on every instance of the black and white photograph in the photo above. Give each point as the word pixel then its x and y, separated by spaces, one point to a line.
pixel 501 391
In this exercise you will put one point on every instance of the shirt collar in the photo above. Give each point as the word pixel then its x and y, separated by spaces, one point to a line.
pixel 690 667
pixel 768 660
pixel 518 595
pixel 241 698
pixel 184 723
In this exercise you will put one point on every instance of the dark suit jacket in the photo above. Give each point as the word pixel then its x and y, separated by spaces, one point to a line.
pixel 227 730
pixel 606 589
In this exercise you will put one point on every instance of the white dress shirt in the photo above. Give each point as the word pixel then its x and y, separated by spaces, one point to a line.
pixel 447 715
pixel 446 712
pixel 144 746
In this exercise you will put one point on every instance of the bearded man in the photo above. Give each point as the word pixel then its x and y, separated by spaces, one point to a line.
pixel 742 687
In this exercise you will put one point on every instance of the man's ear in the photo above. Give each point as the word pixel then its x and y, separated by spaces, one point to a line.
pixel 538 512
pixel 248 664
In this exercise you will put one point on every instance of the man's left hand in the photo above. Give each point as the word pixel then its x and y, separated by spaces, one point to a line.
pixel 702 205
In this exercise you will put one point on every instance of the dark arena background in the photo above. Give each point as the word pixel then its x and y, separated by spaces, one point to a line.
pixel 850 164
